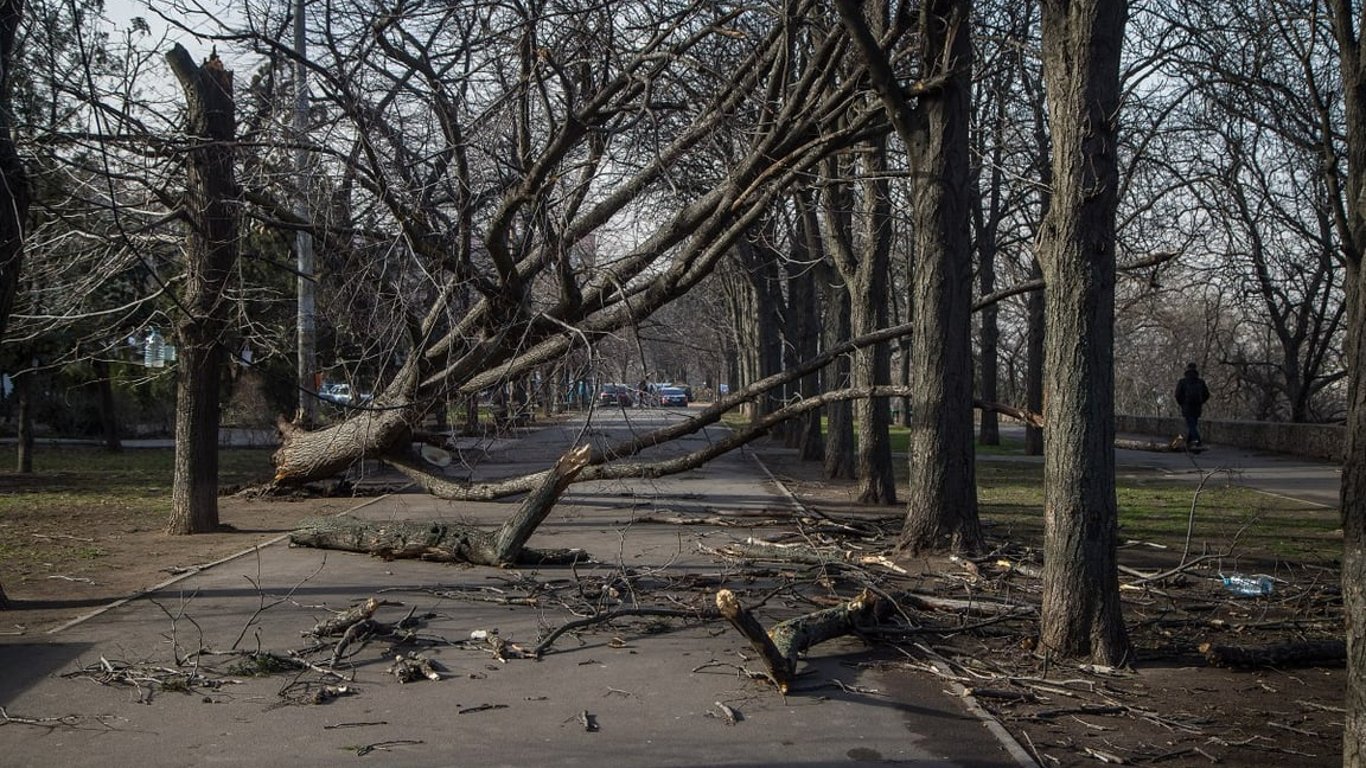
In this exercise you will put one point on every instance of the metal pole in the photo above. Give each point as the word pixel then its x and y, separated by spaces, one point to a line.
pixel 303 241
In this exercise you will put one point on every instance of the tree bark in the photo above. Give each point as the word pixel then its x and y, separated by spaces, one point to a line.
pixel 1081 614
pixel 839 432
pixel 1348 22
pixel 805 314
pixel 456 542
pixel 1034 368
pixel 510 538
pixel 1304 653
pixel 942 513
pixel 14 192
pixel 211 251
pixel 14 188
pixel 989 427
pixel 873 365
pixel 438 541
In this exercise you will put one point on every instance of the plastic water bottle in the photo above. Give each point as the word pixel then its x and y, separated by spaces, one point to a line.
pixel 1249 586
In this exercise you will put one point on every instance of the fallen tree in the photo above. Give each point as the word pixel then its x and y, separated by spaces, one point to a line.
pixel 456 542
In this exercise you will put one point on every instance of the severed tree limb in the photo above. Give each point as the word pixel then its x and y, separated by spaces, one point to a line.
pixel 455 542
pixel 341 622
pixel 508 541
pixel 780 646
pixel 1176 445
pixel 1309 653
pixel 619 613
pixel 607 464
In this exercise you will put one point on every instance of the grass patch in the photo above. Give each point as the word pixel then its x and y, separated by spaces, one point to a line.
pixel 71 483
pixel 899 437
pixel 1158 510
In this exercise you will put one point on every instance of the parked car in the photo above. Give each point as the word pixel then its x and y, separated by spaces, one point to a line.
pixel 617 395
pixel 674 396
pixel 341 394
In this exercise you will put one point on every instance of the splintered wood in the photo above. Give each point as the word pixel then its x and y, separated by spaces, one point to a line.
pixel 780 646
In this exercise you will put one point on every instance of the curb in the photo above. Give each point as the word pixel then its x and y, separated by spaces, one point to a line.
pixel 194 571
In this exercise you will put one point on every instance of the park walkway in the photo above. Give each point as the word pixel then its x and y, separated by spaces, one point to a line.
pixel 655 693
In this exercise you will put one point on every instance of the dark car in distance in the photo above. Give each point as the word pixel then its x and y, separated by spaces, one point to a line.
pixel 673 396
pixel 616 395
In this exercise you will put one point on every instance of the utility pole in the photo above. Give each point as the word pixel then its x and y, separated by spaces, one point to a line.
pixel 303 240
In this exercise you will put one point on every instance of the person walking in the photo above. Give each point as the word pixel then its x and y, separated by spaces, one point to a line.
pixel 1191 394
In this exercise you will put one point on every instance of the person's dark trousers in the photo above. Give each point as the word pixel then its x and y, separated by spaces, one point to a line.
pixel 1192 430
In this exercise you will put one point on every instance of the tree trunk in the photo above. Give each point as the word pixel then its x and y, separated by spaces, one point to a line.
pixel 1034 366
pixel 839 433
pixel 23 391
pixel 109 417
pixel 456 542
pixel 437 541
pixel 989 428
pixel 1347 28
pixel 780 646
pixel 211 251
pixel 805 317
pixel 942 512
pixel 1354 499
pixel 1080 614
pixel 14 189
pixel 508 542
pixel 873 365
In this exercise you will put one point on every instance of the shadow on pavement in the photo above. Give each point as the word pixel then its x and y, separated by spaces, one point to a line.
pixel 23 664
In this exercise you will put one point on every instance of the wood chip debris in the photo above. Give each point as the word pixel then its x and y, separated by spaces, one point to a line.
pixel 729 715
pixel 414 666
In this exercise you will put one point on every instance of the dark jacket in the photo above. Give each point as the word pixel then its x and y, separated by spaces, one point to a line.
pixel 1191 394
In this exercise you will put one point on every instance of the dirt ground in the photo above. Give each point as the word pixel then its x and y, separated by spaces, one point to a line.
pixel 77 564
pixel 1172 707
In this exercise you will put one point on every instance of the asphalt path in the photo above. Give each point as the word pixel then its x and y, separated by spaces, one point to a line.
pixel 653 691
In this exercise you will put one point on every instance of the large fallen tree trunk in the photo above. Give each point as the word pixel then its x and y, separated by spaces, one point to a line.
pixel 371 432
pixel 437 541
pixel 779 647
pixel 456 542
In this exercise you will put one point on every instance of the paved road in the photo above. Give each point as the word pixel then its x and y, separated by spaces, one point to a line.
pixel 652 689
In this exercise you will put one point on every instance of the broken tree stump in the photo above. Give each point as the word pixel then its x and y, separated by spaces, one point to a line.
pixel 780 646
pixel 1309 653
pixel 508 541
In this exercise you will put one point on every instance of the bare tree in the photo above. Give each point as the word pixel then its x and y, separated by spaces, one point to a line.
pixel 942 510
pixel 1081 614
pixel 577 109
pixel 1348 24
pixel 212 250
pixel 14 192
pixel 857 237
pixel 1260 80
